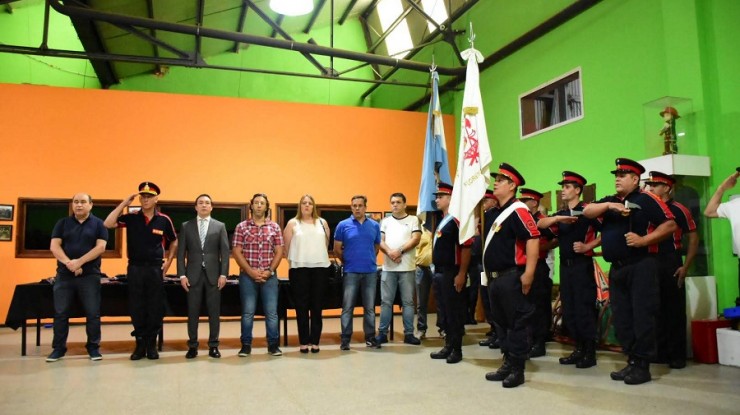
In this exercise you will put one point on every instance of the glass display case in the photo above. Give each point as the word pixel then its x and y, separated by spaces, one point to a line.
pixel 669 126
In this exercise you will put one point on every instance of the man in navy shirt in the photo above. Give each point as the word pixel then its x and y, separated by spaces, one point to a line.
pixel 148 233
pixel 577 239
pixel 632 224
pixel 77 242
pixel 356 243
pixel 671 273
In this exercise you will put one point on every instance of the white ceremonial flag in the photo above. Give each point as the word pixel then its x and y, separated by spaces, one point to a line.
pixel 474 156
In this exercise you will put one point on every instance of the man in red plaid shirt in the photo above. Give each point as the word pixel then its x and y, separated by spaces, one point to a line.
pixel 258 249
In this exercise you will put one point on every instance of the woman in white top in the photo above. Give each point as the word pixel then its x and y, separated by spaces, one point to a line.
pixel 306 247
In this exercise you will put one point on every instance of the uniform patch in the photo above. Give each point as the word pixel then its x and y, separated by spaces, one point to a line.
pixel 157 232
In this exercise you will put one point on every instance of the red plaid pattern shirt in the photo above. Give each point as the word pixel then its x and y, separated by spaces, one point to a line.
pixel 258 243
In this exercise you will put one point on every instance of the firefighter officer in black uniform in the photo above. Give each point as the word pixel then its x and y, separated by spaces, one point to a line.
pixel 632 224
pixel 577 238
pixel 672 272
pixel 451 260
pixel 510 252
pixel 542 286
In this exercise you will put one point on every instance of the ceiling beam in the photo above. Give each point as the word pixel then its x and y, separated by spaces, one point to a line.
pixel 347 11
pixel 240 24
pixel 278 22
pixel 369 9
pixel 314 16
pixel 199 23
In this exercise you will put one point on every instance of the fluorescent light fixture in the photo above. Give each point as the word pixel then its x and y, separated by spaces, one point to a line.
pixel 292 7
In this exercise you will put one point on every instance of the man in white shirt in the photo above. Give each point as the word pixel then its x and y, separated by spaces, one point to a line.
pixel 728 210
pixel 399 235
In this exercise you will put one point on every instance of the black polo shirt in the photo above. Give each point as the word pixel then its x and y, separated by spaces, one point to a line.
pixel 446 250
pixel 641 221
pixel 146 238
pixel 508 247
pixel 78 239
pixel 685 223
pixel 584 230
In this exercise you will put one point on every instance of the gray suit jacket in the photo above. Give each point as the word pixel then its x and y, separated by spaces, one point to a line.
pixel 214 254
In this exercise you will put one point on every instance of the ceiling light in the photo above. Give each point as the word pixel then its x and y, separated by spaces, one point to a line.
pixel 292 7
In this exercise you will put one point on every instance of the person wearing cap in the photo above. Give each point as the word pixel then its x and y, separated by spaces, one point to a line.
pixel 542 285
pixel 148 233
pixel 671 273
pixel 257 247
pixel 399 235
pixel 633 222
pixel 203 264
pixel 577 238
pixel 77 243
pixel 451 260
pixel 510 254
pixel 729 210
pixel 491 340
pixel 356 244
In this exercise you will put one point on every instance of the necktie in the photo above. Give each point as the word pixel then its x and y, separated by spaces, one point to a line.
pixel 202 231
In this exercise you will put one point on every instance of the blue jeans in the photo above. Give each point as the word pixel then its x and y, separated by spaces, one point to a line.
pixel 87 289
pixel 423 286
pixel 250 293
pixel 389 281
pixel 352 283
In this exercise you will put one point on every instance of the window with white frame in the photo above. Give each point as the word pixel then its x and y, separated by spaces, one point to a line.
pixel 556 103
pixel 398 42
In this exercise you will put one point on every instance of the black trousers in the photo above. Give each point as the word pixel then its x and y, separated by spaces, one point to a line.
pixel 512 312
pixel 472 290
pixel 146 299
pixel 578 298
pixel 204 288
pixel 633 288
pixel 672 316
pixel 309 286
pixel 541 297
pixel 453 304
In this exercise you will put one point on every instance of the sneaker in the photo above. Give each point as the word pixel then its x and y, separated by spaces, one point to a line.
pixel 274 350
pixel 344 346
pixel 372 343
pixel 95 355
pixel 381 338
pixel 246 350
pixel 55 355
pixel 410 339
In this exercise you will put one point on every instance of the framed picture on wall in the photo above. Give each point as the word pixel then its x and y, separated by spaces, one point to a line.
pixel 134 209
pixel 376 216
pixel 6 212
pixel 6 233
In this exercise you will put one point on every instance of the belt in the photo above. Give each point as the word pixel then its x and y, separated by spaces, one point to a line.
pixel 628 261
pixel 569 262
pixel 498 274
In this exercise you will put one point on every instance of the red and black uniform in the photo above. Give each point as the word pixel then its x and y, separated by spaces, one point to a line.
pixel 146 239
pixel 541 292
pixel 633 277
pixel 672 316
pixel 577 283
pixel 446 256
pixel 504 259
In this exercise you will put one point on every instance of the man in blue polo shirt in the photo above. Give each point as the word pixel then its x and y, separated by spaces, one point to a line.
pixel 148 232
pixel 356 243
pixel 77 242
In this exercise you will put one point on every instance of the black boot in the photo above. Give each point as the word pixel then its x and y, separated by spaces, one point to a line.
pixel 456 353
pixel 151 348
pixel 574 357
pixel 639 374
pixel 516 377
pixel 140 349
pixel 589 356
pixel 538 350
pixel 502 372
pixel 622 373
pixel 444 353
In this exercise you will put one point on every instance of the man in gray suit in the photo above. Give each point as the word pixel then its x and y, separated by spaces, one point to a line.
pixel 203 264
